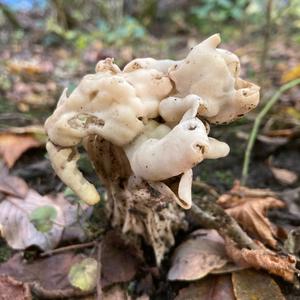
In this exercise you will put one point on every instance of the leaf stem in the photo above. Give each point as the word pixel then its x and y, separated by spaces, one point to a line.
pixel 257 123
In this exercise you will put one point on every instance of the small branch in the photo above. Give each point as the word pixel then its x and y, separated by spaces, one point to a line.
pixel 69 293
pixel 200 185
pixel 99 272
pixel 257 123
pixel 212 216
pixel 68 248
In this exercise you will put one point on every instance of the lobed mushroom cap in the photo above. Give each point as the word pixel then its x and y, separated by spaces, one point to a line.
pixel 158 111
pixel 212 74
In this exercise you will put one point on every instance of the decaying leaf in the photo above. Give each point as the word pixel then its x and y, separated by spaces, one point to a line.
pixel 12 146
pixel 120 260
pixel 12 185
pixel 250 284
pixel 202 253
pixel 116 293
pixel 13 289
pixel 210 288
pixel 51 272
pixel 263 258
pixel 43 217
pixel 83 275
pixel 17 214
pixel 284 176
pixel 249 207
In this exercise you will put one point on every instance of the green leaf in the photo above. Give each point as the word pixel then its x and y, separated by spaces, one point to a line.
pixel 83 275
pixel 42 218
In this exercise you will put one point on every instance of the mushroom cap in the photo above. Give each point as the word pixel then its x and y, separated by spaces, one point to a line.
pixel 149 63
pixel 212 74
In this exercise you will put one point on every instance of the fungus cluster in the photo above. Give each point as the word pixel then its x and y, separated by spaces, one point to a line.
pixel 157 114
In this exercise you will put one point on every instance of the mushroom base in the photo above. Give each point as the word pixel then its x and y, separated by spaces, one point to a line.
pixel 136 206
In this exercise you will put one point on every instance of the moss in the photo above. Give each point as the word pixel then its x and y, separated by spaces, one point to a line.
pixel 5 253
pixel 225 176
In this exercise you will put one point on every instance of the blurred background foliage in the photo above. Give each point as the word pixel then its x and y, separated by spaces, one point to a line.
pixel 119 22
pixel 55 42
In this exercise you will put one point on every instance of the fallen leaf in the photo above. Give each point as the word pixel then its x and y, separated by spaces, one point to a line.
pixel 12 146
pixel 120 260
pixel 263 258
pixel 210 288
pixel 51 272
pixel 43 217
pixel 83 275
pixel 250 284
pixel 116 293
pixel 284 176
pixel 13 289
pixel 249 207
pixel 196 257
pixel 12 185
pixel 288 132
pixel 17 228
pixel 31 68
pixel 290 75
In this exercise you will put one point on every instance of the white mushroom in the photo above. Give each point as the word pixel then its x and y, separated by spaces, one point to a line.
pixel 212 74
pixel 152 109
pixel 150 63
pixel 64 164
pixel 160 153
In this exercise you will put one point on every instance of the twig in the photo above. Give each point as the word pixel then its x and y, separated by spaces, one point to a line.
pixel 257 123
pixel 68 248
pixel 197 184
pixel 210 215
pixel 69 293
pixel 99 272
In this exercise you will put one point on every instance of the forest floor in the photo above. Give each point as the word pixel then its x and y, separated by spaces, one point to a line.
pixel 35 67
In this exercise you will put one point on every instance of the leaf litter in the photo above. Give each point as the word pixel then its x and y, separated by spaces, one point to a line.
pixel 25 219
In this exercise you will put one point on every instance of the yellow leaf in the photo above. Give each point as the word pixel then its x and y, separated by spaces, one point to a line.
pixel 83 275
pixel 290 75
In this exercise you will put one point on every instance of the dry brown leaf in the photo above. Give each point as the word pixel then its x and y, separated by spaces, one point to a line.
pixel 13 289
pixel 263 258
pixel 249 207
pixel 12 146
pixel 210 288
pixel 288 132
pixel 284 176
pixel 250 284
pixel 202 253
